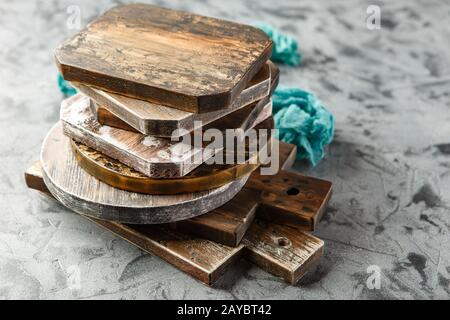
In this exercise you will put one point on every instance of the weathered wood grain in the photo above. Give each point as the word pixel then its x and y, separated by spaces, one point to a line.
pixel 287 198
pixel 173 58
pixel 152 119
pixel 152 156
pixel 228 223
pixel 82 193
pixel 292 199
pixel 280 250
pixel 106 118
pixel 118 175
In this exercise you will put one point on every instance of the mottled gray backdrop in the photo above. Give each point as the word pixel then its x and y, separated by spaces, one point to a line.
pixel 390 161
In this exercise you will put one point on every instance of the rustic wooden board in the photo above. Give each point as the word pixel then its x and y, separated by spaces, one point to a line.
pixel 303 210
pixel 152 156
pixel 118 175
pixel 280 250
pixel 291 198
pixel 283 251
pixel 106 118
pixel 174 58
pixel 228 223
pixel 84 194
pixel 152 119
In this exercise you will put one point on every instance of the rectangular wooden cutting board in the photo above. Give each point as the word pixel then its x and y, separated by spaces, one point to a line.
pixel 286 198
pixel 153 156
pixel 174 58
pixel 153 119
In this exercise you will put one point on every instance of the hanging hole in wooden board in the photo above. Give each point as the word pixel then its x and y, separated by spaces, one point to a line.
pixel 283 242
pixel 292 191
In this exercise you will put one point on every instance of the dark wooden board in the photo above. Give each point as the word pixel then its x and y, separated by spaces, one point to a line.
pixel 152 119
pixel 169 57
pixel 228 224
pixel 291 198
pixel 280 250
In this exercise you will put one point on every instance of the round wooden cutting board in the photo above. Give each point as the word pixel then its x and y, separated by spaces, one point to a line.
pixel 119 175
pixel 83 193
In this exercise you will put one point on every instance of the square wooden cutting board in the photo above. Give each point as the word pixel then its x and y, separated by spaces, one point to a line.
pixel 175 58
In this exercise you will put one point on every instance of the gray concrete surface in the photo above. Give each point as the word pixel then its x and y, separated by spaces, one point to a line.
pixel 390 161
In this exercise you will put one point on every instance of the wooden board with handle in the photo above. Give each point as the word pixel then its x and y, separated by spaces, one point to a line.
pixel 280 250
pixel 154 157
pixel 286 198
pixel 174 58
pixel 152 119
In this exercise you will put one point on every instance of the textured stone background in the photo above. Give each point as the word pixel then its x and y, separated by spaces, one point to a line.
pixel 390 161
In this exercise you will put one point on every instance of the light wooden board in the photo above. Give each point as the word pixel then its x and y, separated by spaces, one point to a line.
pixel 158 120
pixel 152 156
pixel 283 251
pixel 84 194
pixel 280 250
pixel 174 58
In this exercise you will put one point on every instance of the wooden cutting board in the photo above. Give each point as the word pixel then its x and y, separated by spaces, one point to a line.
pixel 118 175
pixel 280 250
pixel 174 58
pixel 83 193
pixel 152 119
pixel 286 198
pixel 154 157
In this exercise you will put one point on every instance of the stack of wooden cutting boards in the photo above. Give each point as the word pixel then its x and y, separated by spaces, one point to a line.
pixel 147 76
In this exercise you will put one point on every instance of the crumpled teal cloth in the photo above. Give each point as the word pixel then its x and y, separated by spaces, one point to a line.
pixel 301 119
pixel 65 88
pixel 285 48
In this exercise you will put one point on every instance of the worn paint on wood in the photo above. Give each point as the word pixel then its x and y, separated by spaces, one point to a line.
pixel 290 198
pixel 118 175
pixel 228 224
pixel 293 200
pixel 281 250
pixel 152 119
pixel 85 194
pixel 175 58
pixel 154 157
